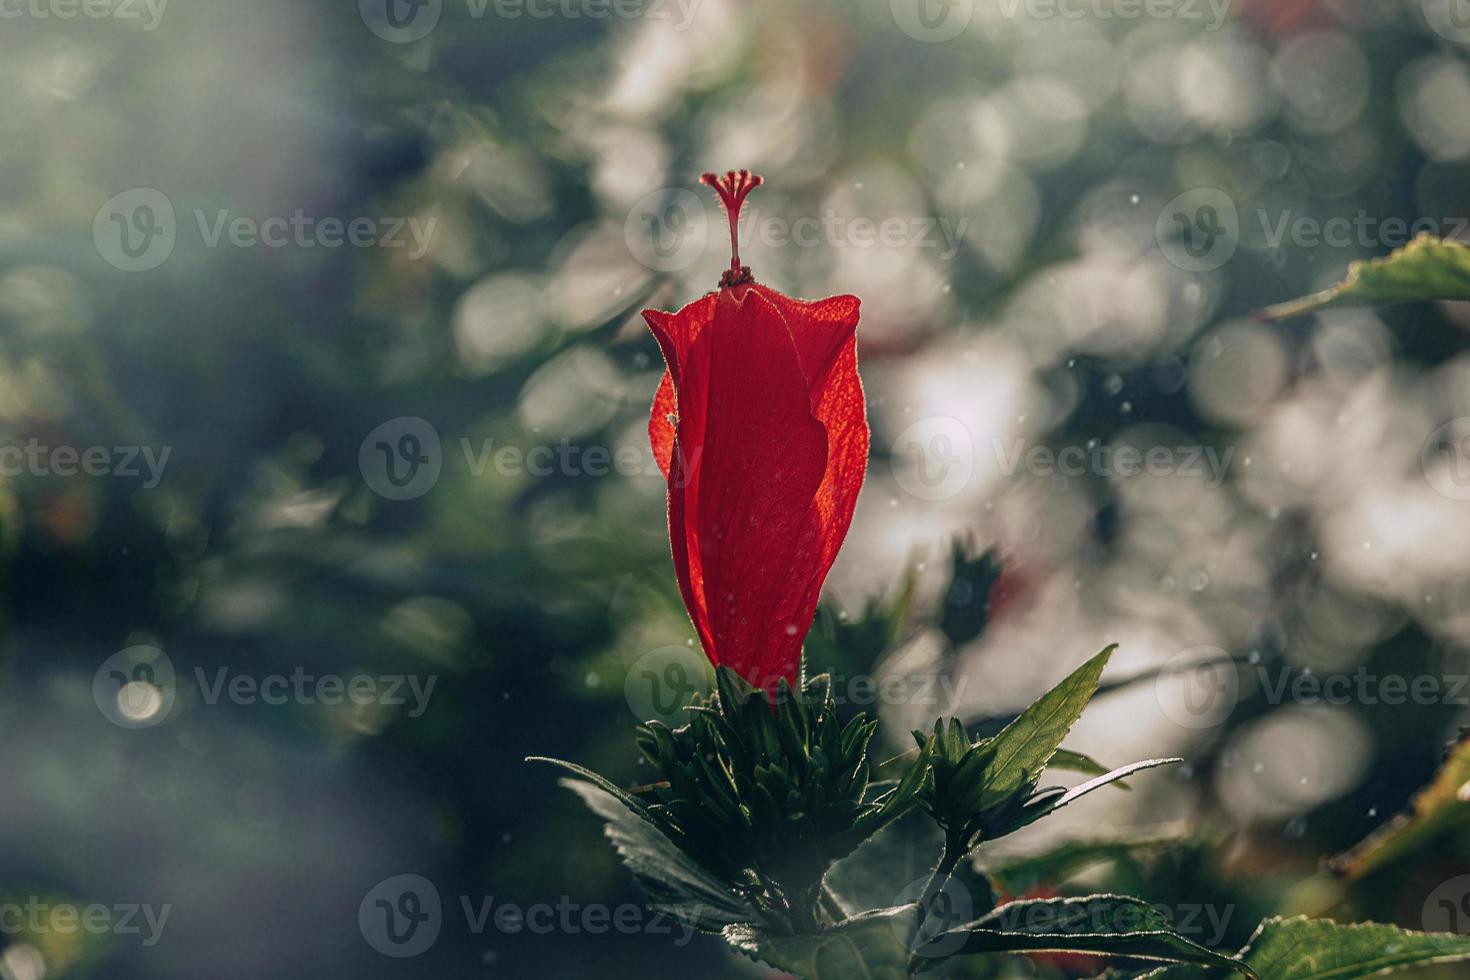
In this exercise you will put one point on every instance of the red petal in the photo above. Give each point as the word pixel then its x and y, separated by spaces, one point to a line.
pixel 819 328
pixel 824 332
pixel 660 423
pixel 677 332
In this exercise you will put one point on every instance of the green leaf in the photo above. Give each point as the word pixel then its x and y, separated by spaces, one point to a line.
pixel 1427 268
pixel 895 804
pixel 1021 873
pixel 1069 761
pixel 871 946
pixel 672 880
pixel 1043 807
pixel 1316 949
pixel 901 853
pixel 601 782
pixel 1441 807
pixel 1024 748
pixel 1103 925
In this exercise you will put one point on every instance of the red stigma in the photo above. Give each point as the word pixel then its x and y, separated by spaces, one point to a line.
pixel 733 188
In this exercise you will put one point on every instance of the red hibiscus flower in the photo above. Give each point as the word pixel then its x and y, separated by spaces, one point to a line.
pixel 760 428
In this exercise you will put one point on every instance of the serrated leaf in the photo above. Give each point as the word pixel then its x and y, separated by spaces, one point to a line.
pixel 1317 949
pixel 1042 808
pixel 601 782
pixel 871 946
pixel 1427 268
pixel 1441 807
pixel 901 853
pixel 672 880
pixel 1102 925
pixel 1024 748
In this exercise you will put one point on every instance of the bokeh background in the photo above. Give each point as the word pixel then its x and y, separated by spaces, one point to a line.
pixel 425 458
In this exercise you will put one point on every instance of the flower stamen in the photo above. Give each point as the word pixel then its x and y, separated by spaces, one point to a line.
pixel 733 188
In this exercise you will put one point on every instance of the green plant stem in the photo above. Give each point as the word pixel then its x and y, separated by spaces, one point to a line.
pixel 954 852
pixel 804 911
